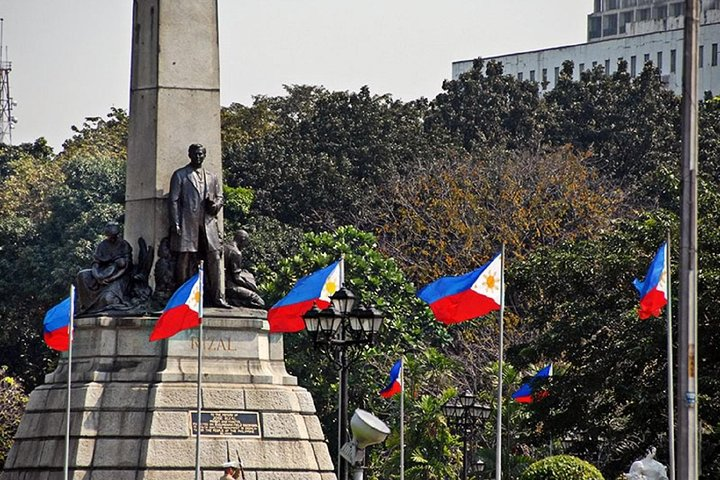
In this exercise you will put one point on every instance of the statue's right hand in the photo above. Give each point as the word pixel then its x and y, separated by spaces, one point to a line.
pixel 177 230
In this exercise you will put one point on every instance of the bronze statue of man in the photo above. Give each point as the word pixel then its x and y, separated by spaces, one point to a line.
pixel 195 200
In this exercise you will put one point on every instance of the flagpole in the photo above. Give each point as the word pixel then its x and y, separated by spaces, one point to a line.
pixel 341 389
pixel 402 418
pixel 71 327
pixel 199 373
pixel 671 393
pixel 498 441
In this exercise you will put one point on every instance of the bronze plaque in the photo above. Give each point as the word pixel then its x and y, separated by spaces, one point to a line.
pixel 227 424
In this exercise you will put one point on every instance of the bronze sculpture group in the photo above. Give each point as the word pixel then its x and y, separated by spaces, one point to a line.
pixel 195 199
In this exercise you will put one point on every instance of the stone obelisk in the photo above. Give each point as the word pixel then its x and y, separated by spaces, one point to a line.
pixel 133 414
pixel 174 102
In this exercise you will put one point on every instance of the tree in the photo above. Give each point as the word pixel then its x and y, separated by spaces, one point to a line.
pixel 375 279
pixel 488 110
pixel 629 125
pixel 452 215
pixel 56 207
pixel 314 159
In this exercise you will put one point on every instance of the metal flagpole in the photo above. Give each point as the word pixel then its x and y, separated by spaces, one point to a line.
pixel 402 418
pixel 341 390
pixel 687 396
pixel 671 390
pixel 199 373
pixel 71 334
pixel 498 441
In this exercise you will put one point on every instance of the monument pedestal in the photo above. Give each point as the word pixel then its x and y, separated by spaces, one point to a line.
pixel 133 404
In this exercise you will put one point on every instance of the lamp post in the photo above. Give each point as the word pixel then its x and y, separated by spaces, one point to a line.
pixel 477 469
pixel 464 413
pixel 336 329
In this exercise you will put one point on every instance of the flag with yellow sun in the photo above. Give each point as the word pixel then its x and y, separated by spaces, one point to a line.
pixel 468 296
pixel 286 315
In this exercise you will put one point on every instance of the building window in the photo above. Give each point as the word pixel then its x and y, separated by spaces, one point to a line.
pixel 582 67
pixel 659 62
pixel 673 61
pixel 598 6
pixel 677 9
pixel 532 75
pixel 610 25
pixel 633 65
pixel 594 64
pixel 628 3
pixel 661 12
pixel 544 79
pixel 701 54
pixel 612 4
pixel 625 18
pixel 557 74
pixel 607 66
pixel 644 14
pixel 646 58
pixel 714 53
pixel 520 76
pixel 595 27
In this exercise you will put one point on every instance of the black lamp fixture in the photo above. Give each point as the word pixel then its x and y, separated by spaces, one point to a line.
pixel 336 329
pixel 477 468
pixel 464 413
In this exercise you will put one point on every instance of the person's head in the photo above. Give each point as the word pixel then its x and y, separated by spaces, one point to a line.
pixel 241 238
pixel 197 153
pixel 111 231
pixel 230 467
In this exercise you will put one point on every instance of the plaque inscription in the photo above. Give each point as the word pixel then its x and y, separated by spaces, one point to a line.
pixel 227 424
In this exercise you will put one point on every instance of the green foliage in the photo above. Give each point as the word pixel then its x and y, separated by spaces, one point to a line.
pixel 599 113
pixel 321 155
pixel 13 401
pixel 561 467
pixel 55 210
pixel 237 206
pixel 488 110
pixel 99 137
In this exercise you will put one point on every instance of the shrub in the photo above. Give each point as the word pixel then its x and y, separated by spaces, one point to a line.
pixel 561 467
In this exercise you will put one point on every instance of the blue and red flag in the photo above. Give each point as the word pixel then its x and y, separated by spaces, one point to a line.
pixel 528 392
pixel 286 315
pixel 56 326
pixel 182 311
pixel 395 384
pixel 653 290
pixel 456 299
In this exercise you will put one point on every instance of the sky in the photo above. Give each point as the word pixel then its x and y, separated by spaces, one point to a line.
pixel 71 58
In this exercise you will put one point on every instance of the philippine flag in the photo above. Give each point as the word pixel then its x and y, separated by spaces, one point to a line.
pixel 56 326
pixel 456 299
pixel 182 311
pixel 395 384
pixel 286 315
pixel 653 291
pixel 527 392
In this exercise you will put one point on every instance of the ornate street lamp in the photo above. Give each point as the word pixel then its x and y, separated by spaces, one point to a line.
pixel 337 329
pixel 464 413
pixel 477 469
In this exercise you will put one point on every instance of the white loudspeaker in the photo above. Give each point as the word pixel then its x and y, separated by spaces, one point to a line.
pixel 367 430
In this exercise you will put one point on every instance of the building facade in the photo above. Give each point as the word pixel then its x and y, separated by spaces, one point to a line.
pixel 637 31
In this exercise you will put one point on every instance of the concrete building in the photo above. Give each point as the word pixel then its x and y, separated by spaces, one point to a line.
pixel 636 31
